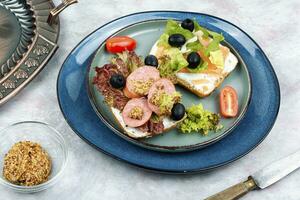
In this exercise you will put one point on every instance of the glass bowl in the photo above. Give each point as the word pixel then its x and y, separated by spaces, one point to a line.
pixel 50 139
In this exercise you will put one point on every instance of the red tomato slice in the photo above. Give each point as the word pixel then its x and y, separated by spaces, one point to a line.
pixel 118 44
pixel 228 102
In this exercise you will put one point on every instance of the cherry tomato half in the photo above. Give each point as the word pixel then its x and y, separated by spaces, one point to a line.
pixel 228 102
pixel 118 44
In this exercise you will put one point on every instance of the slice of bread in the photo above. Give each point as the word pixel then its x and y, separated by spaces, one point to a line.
pixel 135 132
pixel 202 83
pixel 211 82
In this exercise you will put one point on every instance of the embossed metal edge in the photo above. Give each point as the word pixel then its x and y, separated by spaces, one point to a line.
pixel 3 79
pixel 13 86
pixel 20 78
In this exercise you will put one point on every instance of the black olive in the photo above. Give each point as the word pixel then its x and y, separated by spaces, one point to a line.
pixel 151 60
pixel 176 40
pixel 178 111
pixel 188 24
pixel 117 81
pixel 194 60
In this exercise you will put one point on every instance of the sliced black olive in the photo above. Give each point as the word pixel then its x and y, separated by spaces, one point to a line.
pixel 188 24
pixel 194 60
pixel 178 111
pixel 117 81
pixel 151 60
pixel 176 40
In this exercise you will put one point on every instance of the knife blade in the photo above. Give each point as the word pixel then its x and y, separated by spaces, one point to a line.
pixel 277 170
pixel 261 179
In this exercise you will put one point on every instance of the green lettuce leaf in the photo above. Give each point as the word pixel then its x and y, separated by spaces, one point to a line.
pixel 216 35
pixel 195 46
pixel 171 62
pixel 200 28
pixel 174 27
pixel 214 45
pixel 163 41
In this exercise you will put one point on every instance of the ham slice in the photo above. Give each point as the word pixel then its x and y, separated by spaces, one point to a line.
pixel 162 84
pixel 131 104
pixel 142 74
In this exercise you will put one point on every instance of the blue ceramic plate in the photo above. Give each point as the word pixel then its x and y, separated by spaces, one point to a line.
pixel 252 129
pixel 146 34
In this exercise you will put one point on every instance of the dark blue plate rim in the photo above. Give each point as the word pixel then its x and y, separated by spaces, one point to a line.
pixel 205 169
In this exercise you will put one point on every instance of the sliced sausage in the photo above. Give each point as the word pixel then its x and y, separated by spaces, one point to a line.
pixel 166 85
pixel 131 104
pixel 129 94
pixel 142 74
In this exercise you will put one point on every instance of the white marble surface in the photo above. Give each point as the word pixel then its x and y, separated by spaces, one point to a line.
pixel 275 25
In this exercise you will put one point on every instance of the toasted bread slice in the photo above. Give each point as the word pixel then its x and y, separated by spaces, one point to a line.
pixel 135 132
pixel 208 82
pixel 202 83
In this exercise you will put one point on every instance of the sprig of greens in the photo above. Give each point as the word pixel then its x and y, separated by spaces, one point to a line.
pixel 200 120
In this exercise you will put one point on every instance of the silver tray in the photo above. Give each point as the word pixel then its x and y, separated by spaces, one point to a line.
pixel 29 31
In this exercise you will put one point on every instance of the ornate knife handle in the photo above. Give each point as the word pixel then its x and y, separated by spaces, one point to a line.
pixel 236 191
pixel 55 11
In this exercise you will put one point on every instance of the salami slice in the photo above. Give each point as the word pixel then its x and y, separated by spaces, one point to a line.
pixel 140 104
pixel 162 84
pixel 140 80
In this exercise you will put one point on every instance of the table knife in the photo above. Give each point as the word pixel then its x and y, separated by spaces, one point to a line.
pixel 262 178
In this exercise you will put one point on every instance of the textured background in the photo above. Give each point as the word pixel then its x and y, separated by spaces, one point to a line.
pixel 275 25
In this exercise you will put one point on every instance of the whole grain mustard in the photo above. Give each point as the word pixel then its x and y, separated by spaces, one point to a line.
pixel 27 164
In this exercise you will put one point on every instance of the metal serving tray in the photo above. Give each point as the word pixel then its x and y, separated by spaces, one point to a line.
pixel 29 31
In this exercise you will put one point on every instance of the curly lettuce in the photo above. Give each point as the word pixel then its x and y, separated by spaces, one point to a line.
pixel 127 61
pixel 165 101
pixel 200 120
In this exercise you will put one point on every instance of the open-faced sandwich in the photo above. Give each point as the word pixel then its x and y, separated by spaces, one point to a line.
pixel 142 94
pixel 193 56
pixel 143 103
